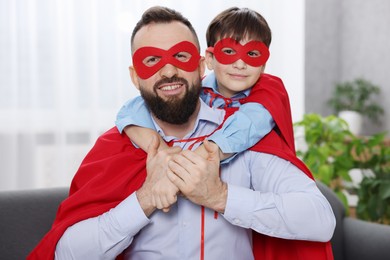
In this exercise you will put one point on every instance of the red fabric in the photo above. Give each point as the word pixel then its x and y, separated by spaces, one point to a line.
pixel 271 93
pixel 110 172
pixel 114 169
pixel 272 248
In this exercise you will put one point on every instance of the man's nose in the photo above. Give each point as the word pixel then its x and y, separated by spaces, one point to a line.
pixel 168 71
pixel 239 64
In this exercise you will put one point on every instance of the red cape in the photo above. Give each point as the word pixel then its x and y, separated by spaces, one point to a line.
pixel 271 93
pixel 110 172
pixel 114 169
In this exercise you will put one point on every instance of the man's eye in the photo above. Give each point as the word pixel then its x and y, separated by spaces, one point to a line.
pixel 151 60
pixel 254 54
pixel 183 56
pixel 228 51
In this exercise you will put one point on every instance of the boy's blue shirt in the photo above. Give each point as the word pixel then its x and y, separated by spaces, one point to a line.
pixel 240 131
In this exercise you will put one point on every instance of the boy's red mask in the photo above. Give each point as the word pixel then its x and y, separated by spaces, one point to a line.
pixel 241 52
pixel 166 56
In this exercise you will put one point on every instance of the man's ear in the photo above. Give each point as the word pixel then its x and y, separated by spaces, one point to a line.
pixel 209 57
pixel 134 76
pixel 202 66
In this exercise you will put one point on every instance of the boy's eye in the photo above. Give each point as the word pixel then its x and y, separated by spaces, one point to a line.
pixel 228 51
pixel 254 54
pixel 183 56
pixel 150 61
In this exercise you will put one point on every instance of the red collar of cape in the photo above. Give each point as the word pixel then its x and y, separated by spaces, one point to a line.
pixel 114 169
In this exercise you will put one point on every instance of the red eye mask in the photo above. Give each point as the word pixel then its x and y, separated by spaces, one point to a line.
pixel 166 56
pixel 241 52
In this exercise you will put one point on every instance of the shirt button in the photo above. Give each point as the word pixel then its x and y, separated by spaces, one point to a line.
pixel 236 221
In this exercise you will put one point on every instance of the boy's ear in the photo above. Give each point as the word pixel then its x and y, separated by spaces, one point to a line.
pixel 209 60
pixel 263 68
pixel 134 76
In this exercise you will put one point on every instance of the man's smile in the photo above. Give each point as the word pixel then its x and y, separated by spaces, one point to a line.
pixel 171 89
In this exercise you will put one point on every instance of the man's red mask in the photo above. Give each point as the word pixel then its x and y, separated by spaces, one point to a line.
pixel 240 52
pixel 148 60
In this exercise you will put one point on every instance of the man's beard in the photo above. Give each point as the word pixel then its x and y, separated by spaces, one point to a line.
pixel 175 110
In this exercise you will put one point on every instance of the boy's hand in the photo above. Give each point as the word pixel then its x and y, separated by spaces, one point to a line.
pixel 143 137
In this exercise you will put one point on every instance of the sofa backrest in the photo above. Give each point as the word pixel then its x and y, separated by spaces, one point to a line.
pixel 339 212
pixel 25 217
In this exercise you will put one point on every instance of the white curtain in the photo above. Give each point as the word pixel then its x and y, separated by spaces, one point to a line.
pixel 63 75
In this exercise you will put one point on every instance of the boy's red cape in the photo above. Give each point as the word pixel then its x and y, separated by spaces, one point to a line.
pixel 114 169
pixel 271 93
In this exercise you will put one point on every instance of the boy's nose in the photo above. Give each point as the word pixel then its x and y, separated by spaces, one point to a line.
pixel 239 64
pixel 168 71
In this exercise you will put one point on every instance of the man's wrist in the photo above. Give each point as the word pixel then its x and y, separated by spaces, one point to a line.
pixel 221 204
pixel 145 200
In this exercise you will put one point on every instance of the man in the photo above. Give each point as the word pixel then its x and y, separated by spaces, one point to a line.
pixel 112 210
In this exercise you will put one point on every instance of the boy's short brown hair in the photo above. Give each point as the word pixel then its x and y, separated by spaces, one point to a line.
pixel 238 23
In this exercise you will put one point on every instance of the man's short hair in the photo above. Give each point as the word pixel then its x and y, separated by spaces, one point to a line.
pixel 160 14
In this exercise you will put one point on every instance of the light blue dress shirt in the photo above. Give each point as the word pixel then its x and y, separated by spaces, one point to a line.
pixel 265 193
pixel 241 130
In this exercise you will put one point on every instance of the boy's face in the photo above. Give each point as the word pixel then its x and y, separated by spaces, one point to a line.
pixel 237 76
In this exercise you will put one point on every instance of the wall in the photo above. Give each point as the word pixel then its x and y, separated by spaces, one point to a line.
pixel 64 75
pixel 345 40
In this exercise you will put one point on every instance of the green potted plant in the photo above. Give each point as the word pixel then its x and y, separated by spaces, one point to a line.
pixel 331 151
pixel 327 152
pixel 372 156
pixel 353 100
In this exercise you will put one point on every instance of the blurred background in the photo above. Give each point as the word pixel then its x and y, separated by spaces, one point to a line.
pixel 64 69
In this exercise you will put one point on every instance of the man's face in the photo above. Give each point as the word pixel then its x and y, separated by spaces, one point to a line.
pixel 171 93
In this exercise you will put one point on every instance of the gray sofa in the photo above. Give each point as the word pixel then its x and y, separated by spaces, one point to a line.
pixel 25 216
pixel 355 239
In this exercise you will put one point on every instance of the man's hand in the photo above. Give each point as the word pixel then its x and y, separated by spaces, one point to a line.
pixel 201 150
pixel 198 178
pixel 156 192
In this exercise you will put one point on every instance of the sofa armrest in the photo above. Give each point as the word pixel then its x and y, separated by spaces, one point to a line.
pixel 25 217
pixel 365 240
pixel 339 212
